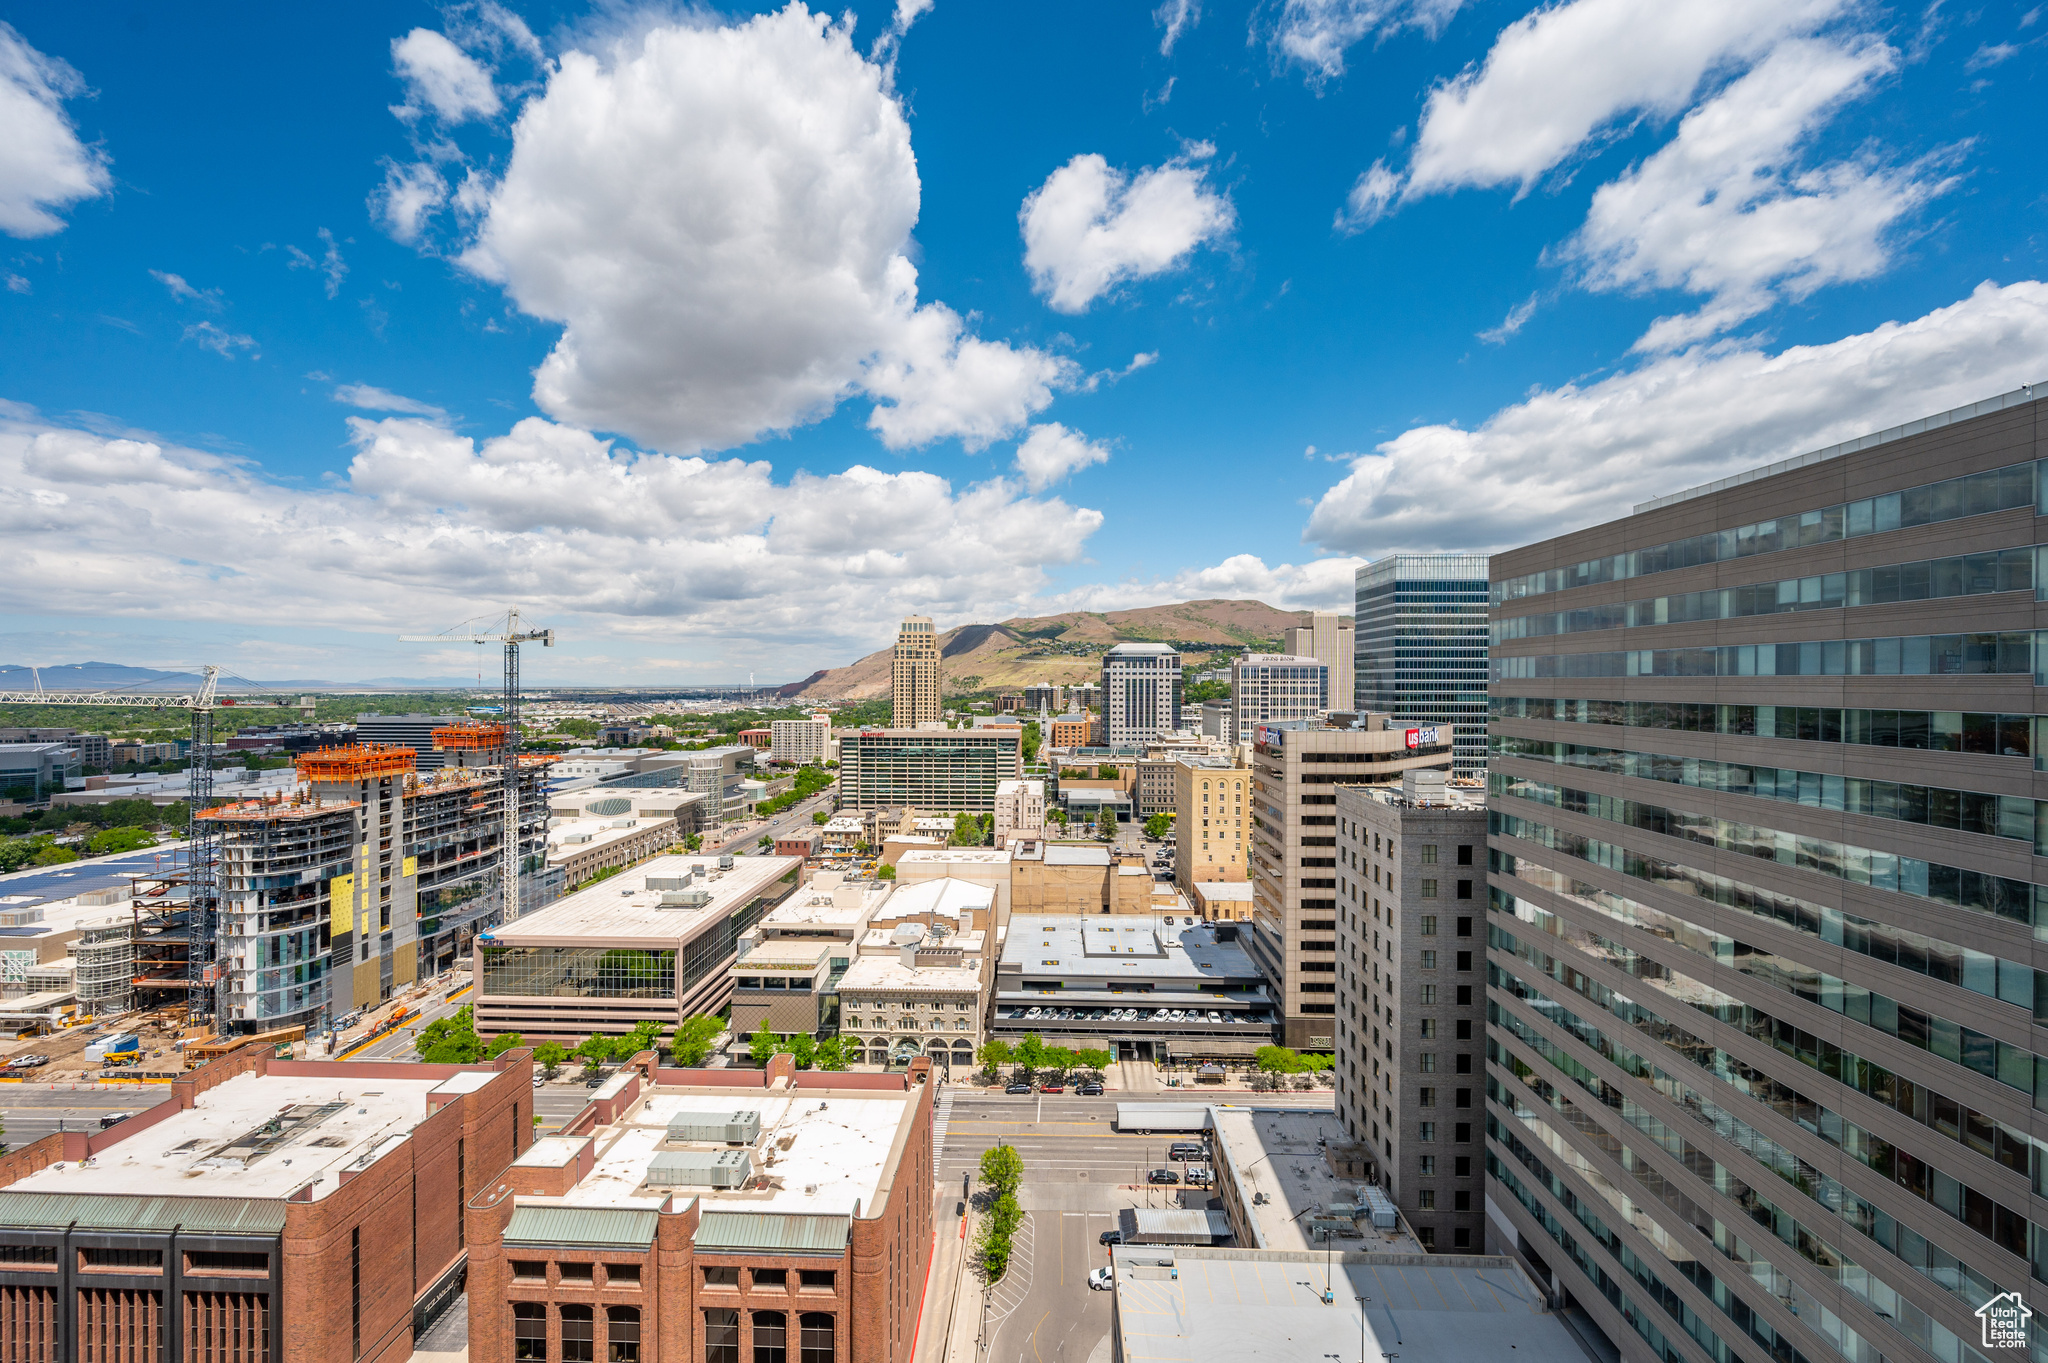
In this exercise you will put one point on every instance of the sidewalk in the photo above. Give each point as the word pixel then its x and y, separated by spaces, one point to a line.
pixel 951 1294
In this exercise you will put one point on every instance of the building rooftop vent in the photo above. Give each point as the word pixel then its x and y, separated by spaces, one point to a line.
pixel 741 1127
pixel 699 1169
pixel 685 899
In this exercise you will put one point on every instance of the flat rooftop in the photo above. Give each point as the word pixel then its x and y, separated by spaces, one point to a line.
pixel 946 897
pixel 623 911
pixel 889 972
pixel 956 856
pixel 1123 946
pixel 1279 1152
pixel 224 1145
pixel 1226 890
pixel 829 901
pixel 574 837
pixel 820 1151
pixel 1181 1303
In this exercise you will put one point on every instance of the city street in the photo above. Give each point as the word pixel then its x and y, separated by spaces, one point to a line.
pixel 1077 1174
pixel 743 836
pixel 32 1113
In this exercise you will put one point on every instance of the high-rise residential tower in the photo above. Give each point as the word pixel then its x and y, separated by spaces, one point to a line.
pixel 1327 638
pixel 914 675
pixel 1421 646
pixel 1767 899
pixel 1140 693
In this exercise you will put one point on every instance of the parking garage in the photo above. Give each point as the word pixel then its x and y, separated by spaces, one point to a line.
pixel 1162 987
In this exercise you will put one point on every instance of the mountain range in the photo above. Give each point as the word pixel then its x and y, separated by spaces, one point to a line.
pixel 1065 649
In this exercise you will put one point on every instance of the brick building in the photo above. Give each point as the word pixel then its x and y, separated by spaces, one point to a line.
pixel 688 1216
pixel 268 1211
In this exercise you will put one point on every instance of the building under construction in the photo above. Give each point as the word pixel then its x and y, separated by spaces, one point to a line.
pixel 368 876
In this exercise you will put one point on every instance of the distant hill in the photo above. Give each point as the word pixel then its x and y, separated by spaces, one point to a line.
pixel 94 677
pixel 1066 649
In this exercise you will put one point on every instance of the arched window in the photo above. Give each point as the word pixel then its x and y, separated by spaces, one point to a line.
pixel 579 1334
pixel 530 1330
pixel 815 1343
pixel 771 1337
pixel 721 1335
pixel 622 1333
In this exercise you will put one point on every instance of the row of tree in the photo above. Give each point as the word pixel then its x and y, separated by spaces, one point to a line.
pixel 833 1053
pixel 1050 1063
pixel 1002 1170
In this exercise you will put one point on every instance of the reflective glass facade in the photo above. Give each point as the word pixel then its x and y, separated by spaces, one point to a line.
pixel 1419 635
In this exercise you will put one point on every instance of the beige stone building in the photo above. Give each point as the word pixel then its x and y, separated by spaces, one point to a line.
pixel 1212 821
pixel 1077 878
pixel 985 866
pixel 788 965
pixel 1296 768
pixel 1020 810
pixel 1329 638
pixel 914 675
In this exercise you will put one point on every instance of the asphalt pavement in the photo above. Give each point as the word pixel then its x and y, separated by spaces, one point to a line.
pixel 1078 1174
pixel 33 1113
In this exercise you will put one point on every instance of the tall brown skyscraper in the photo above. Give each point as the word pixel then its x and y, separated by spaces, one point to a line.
pixel 914 674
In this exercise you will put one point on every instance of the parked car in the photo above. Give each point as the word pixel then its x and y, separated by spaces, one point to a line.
pixel 1052 1088
pixel 1018 1088
pixel 28 1062
pixel 1101 1280
pixel 1089 1090
pixel 539 1080
pixel 1188 1150
pixel 114 1119
pixel 1111 1237
pixel 1200 1176
pixel 596 1081
pixel 1162 1176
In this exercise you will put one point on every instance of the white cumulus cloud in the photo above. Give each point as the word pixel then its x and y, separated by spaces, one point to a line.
pixel 1557 77
pixel 1574 456
pixel 440 76
pixel 1090 226
pixel 1725 209
pixel 1051 453
pixel 371 398
pixel 1319 584
pixel 720 219
pixel 428 525
pixel 44 168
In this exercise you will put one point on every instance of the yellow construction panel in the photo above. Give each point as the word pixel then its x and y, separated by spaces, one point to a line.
pixel 411 867
pixel 365 929
pixel 341 895
pixel 405 964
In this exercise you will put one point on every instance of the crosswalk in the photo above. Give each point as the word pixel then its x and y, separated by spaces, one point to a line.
pixel 939 1125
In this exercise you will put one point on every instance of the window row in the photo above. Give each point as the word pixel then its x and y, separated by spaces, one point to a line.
pixel 2008 653
pixel 1918 730
pixel 578 1330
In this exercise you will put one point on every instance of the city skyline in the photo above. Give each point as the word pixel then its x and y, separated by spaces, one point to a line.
pixel 280 388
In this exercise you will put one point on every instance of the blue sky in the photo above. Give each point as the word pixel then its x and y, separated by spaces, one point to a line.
pixel 721 337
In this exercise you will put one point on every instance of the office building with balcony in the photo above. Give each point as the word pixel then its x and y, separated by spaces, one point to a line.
pixel 1140 693
pixel 1421 646
pixel 1767 901
pixel 951 770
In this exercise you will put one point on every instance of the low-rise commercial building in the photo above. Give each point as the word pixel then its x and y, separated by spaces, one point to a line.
pixel 984 866
pixel 31 772
pixel 953 770
pixel 1411 998
pixel 1146 989
pixel 656 941
pixel 584 846
pixel 843 834
pixel 1071 731
pixel 692 1215
pixel 266 1211
pixel 788 965
pixel 1077 878
pixel 925 995
pixel 1222 901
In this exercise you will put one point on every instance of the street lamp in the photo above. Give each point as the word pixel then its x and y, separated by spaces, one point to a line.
pixel 1361 1327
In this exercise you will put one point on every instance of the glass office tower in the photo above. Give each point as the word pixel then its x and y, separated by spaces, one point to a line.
pixel 1419 635
pixel 1768 908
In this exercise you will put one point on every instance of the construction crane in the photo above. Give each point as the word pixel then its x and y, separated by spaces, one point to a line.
pixel 512 636
pixel 202 853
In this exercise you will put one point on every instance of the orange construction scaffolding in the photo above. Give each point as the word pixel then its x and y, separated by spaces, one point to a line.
pixel 359 763
pixel 470 737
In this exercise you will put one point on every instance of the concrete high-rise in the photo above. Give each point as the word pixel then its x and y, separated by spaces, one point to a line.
pixel 1327 638
pixel 1411 998
pixel 1421 646
pixel 914 675
pixel 1140 693
pixel 1296 766
pixel 1266 688
pixel 1766 897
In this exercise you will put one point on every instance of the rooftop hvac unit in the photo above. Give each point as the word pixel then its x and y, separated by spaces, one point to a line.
pixel 571 839
pixel 699 1169
pixel 1381 1208
pixel 725 861
pixel 734 1128
pixel 685 899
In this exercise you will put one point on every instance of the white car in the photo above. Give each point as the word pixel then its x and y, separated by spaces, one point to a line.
pixel 1101 1280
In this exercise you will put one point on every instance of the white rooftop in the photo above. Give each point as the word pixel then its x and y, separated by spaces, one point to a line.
pixel 574 837
pixel 946 897
pixel 964 856
pixel 219 1147
pixel 830 900
pixel 836 1153
pixel 889 972
pixel 1122 946
pixel 623 910
pixel 1279 1152
pixel 1225 889
pixel 1066 854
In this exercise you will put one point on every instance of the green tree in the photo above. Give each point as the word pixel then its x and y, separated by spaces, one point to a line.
pixel 1057 816
pixel 821 818
pixel 1094 1058
pixel 804 1047
pixel 1105 772
pixel 692 1041
pixel 1197 692
pixel 1002 1169
pixel 116 840
pixel 593 1051
pixel 1032 740
pixel 1159 825
pixel 762 1044
pixel 503 1042
pixel 885 873
pixel 995 1054
pixel 832 1052
pixel 966 831
pixel 695 842
pixel 549 1055
pixel 645 1034
pixel 1031 1051
pixel 1106 824
pixel 1280 1060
